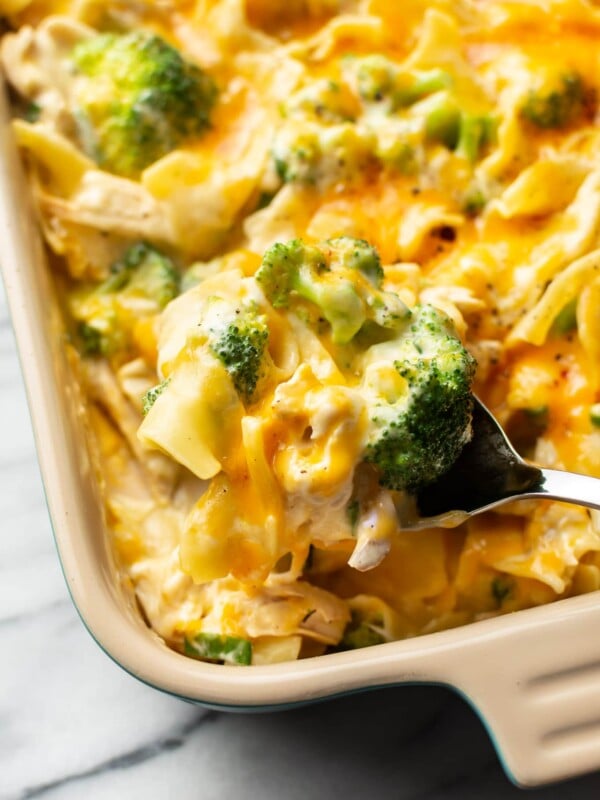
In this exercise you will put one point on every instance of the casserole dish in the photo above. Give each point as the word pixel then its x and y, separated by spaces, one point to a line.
pixel 543 723
pixel 533 676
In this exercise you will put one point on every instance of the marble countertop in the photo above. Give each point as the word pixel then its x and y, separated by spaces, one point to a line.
pixel 73 724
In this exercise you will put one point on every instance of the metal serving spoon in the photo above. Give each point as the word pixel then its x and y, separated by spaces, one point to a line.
pixel 488 473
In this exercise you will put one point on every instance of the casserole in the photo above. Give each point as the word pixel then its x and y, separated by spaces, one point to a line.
pixel 473 660
pixel 534 677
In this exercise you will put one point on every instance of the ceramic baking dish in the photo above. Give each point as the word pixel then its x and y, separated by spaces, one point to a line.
pixel 534 676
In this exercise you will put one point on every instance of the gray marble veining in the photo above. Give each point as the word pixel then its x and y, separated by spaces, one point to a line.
pixel 74 725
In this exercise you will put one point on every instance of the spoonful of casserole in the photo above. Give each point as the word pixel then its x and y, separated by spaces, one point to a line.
pixel 488 473
pixel 321 408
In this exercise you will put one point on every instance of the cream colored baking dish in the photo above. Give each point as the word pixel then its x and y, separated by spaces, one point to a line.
pixel 533 676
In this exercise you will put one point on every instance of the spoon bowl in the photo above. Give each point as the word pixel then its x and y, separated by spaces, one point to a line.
pixel 488 473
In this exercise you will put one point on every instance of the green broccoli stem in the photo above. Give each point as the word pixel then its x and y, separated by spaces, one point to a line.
pixel 339 302
pixel 462 131
pixel 557 107
pixel 419 85
pixel 475 131
pixel 566 319
pixel 442 120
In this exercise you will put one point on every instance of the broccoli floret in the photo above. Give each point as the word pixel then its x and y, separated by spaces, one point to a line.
pixel 375 77
pixel 297 156
pixel 93 340
pixel 151 274
pixel 399 154
pixel 458 130
pixel 241 347
pixel 152 394
pixel 32 112
pixel 137 99
pixel 215 647
pixel 237 334
pixel 355 254
pixel 296 268
pixel 418 432
pixel 142 282
pixel 278 272
pixel 362 632
pixel 323 100
pixel 557 106
pixel 142 272
pixel 475 132
pixel 379 80
pixel 341 277
pixel 317 155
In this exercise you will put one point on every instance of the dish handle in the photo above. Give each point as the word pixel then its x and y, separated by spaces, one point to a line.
pixel 537 688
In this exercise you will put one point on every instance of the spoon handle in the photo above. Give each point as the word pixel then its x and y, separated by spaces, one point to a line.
pixel 569 487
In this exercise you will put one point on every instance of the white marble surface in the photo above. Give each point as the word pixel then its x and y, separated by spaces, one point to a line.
pixel 74 725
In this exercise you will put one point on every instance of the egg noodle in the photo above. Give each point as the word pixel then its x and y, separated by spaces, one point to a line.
pixel 457 137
